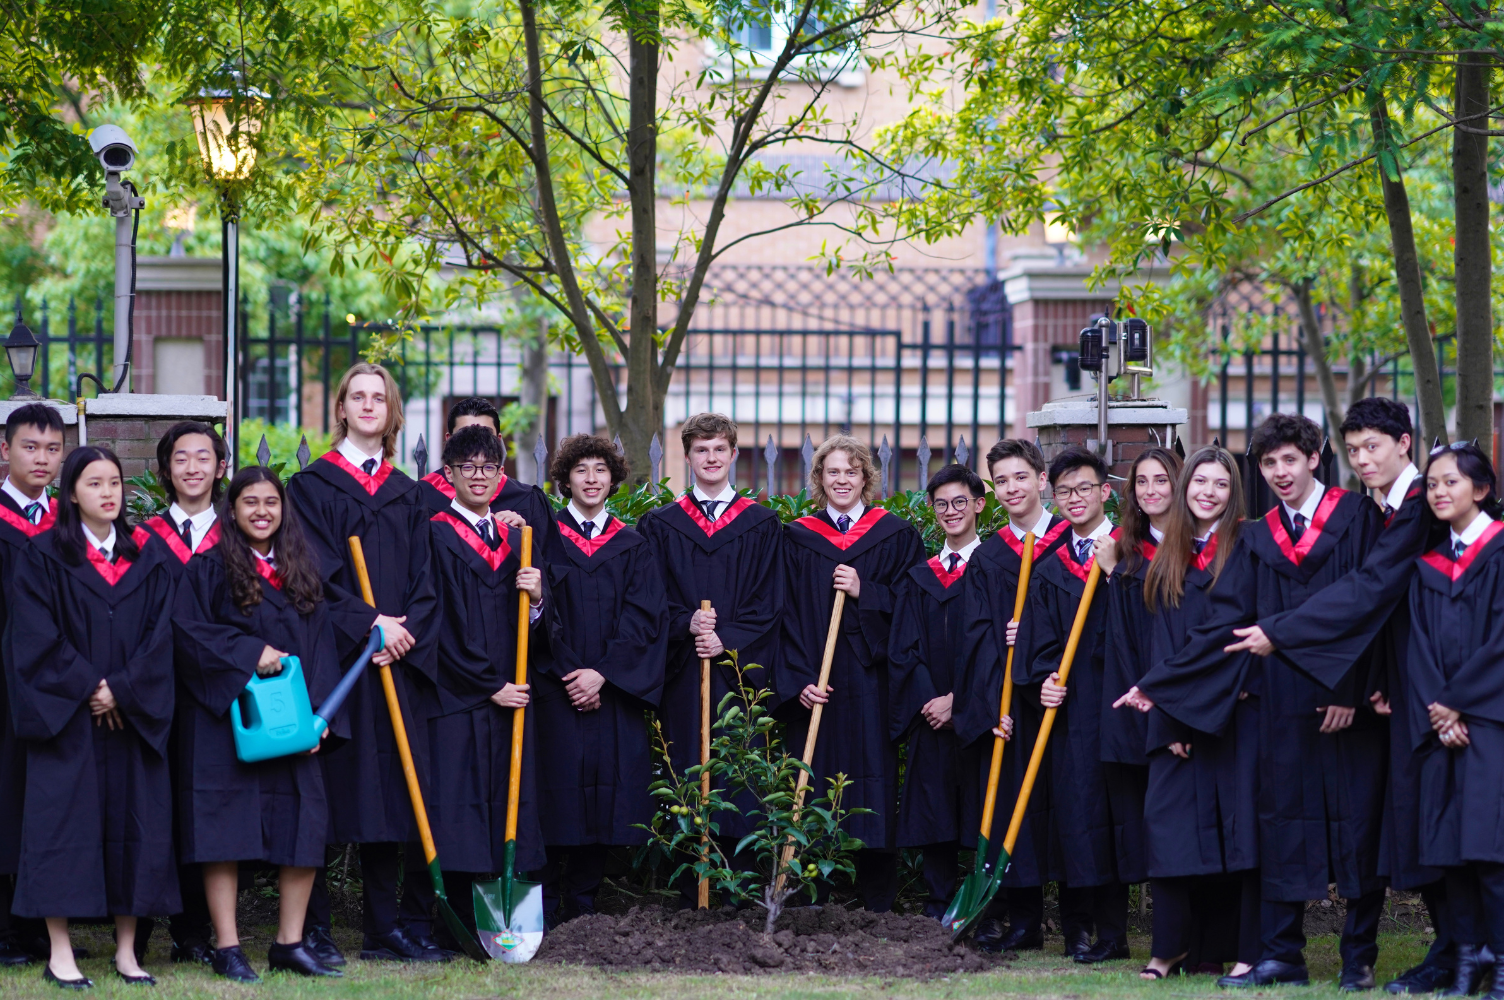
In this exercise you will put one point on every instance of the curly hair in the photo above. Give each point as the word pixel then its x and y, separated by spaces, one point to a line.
pixel 296 564
pixel 1280 429
pixel 575 449
pixel 856 453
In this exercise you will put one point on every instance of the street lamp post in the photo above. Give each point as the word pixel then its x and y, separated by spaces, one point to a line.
pixel 226 123
pixel 21 350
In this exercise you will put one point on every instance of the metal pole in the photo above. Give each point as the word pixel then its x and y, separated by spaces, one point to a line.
pixel 123 266
pixel 230 271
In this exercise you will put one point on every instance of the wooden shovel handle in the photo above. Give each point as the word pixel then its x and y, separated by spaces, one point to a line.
pixel 704 900
pixel 1082 610
pixel 519 715
pixel 394 708
pixel 989 805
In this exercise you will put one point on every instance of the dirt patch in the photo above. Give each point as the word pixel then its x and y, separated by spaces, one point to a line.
pixel 829 939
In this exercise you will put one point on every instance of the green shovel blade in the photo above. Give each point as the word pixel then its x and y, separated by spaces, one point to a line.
pixel 452 920
pixel 975 893
pixel 509 914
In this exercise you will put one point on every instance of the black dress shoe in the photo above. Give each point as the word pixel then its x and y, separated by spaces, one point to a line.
pixel 396 946
pixel 1356 979
pixel 320 941
pixel 1103 951
pixel 12 954
pixel 1495 984
pixel 1269 972
pixel 1471 967
pixel 81 983
pixel 1424 978
pixel 233 965
pixel 191 952
pixel 426 941
pixel 1077 943
pixel 297 958
pixel 1023 938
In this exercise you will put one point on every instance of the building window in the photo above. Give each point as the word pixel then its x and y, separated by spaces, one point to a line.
pixel 749 47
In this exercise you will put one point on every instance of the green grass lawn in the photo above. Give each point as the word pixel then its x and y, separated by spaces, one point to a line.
pixel 1035 974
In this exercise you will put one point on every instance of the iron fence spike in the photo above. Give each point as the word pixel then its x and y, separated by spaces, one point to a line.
pixel 655 456
pixel 924 460
pixel 616 443
pixel 540 460
pixel 963 453
pixel 807 453
pixel 420 457
pixel 263 452
pixel 499 437
pixel 885 455
pixel 770 454
pixel 304 454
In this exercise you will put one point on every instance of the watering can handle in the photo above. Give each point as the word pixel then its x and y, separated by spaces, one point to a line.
pixel 347 683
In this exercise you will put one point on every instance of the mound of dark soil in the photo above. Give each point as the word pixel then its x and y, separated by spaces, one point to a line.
pixel 827 939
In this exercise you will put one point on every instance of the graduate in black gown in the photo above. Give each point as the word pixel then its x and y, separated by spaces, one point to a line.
pixel 601 671
pixel 245 605
pixel 33 448
pixel 1017 467
pixel 1096 808
pixel 939 808
pixel 1457 692
pixel 191 463
pixel 477 574
pixel 714 545
pixel 1200 807
pixel 849 545
pixel 355 490
pixel 515 503
pixel 1322 751
pixel 1369 605
pixel 89 674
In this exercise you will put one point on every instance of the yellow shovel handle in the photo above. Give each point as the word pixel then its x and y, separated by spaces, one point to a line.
pixel 519 715
pixel 989 805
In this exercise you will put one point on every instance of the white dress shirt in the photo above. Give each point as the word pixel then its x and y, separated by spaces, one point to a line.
pixel 1473 531
pixel 107 544
pixel 964 552
pixel 356 457
pixel 854 513
pixel 534 611
pixel 1100 531
pixel 200 523
pixel 723 500
pixel 22 500
pixel 598 521
pixel 1401 487
pixel 270 558
pixel 1039 528
pixel 1307 509
pixel 1156 536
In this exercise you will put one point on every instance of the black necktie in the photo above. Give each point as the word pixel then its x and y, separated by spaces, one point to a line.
pixel 1457 549
pixel 109 555
pixel 843 523
pixel 1388 510
pixel 1298 522
pixel 955 557
pixel 187 532
pixel 709 506
pixel 1081 549
pixel 487 532
pixel 34 513
pixel 370 466
pixel 588 528
pixel 1198 544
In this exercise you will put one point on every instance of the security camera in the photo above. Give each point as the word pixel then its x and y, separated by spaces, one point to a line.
pixel 116 151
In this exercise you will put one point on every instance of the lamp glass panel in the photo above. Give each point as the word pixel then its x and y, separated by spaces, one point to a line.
pixel 225 144
pixel 22 360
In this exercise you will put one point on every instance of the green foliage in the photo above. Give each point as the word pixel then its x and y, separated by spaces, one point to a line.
pixel 281 439
pixel 147 498
pixel 914 506
pixel 792 508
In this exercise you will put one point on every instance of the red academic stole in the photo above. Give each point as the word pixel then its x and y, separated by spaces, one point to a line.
pixel 368 483
pixel 833 535
pixel 113 571
pixel 440 482
pixel 1297 553
pixel 493 557
pixel 1069 558
pixel 1410 494
pixel 1201 560
pixel 688 505
pixel 945 576
pixel 1017 544
pixel 1453 570
pixel 590 546
pixel 25 527
pixel 163 530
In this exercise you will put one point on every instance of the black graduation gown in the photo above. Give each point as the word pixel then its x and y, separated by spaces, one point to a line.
pixel 939 802
pixel 1096 808
pixel 609 613
pixel 991 587
pixel 470 736
pixel 734 562
pixel 1456 646
pixel 367 791
pixel 16 533
pixel 854 734
pixel 96 837
pixel 1201 814
pixel 1321 797
pixel 273 810
pixel 1125 659
pixel 529 501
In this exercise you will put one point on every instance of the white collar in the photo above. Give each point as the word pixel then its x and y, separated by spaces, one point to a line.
pixel 1309 507
pixel 727 494
pixel 964 551
pixel 270 557
pixel 1209 531
pixel 1471 533
pixel 1401 487
pixel 202 521
pixel 854 513
pixel 471 518
pixel 355 456
pixel 22 500
pixel 1157 535
pixel 107 543
pixel 599 520
pixel 1040 527
pixel 1105 528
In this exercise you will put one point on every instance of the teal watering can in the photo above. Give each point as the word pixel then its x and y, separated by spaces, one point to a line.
pixel 273 717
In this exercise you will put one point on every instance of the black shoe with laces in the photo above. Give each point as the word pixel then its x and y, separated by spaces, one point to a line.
pixel 1077 943
pixel 320 941
pixel 1103 951
pixel 426 941
pixel 1424 978
pixel 233 965
pixel 298 958
pixel 397 946
pixel 1357 979
pixel 191 952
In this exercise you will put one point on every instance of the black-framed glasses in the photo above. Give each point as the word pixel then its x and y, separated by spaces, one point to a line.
pixel 1083 491
pixel 472 471
pixel 942 506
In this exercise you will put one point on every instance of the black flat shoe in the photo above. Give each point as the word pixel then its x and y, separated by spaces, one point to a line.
pixel 233 965
pixel 1150 972
pixel 298 958
pixel 1424 978
pixel 81 983
pixel 145 979
pixel 1268 973
pixel 1357 979
pixel 396 946
pixel 1103 951
pixel 320 941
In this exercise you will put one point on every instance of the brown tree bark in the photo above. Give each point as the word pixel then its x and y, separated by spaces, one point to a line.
pixel 1314 341
pixel 1471 254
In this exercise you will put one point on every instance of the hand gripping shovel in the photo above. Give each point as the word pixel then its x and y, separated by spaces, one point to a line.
pixel 399 729
pixel 802 784
pixel 509 913
pixel 1022 805
pixel 977 890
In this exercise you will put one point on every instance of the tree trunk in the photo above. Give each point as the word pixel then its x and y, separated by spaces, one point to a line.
pixel 534 394
pixel 1470 255
pixel 644 413
pixel 1312 339
pixel 1433 422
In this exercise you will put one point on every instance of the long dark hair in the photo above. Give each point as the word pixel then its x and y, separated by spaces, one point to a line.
pixel 1473 465
pixel 1135 526
pixel 70 521
pixel 1166 579
pixel 295 561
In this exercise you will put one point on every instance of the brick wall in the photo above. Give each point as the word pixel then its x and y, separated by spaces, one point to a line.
pixel 1039 325
pixel 189 315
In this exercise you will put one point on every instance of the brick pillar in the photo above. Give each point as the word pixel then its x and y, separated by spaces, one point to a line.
pixel 179 327
pixel 1039 326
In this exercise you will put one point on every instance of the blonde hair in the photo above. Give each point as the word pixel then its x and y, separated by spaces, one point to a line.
pixel 858 454
pixel 394 418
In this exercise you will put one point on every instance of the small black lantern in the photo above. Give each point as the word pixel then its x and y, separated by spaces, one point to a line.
pixel 21 349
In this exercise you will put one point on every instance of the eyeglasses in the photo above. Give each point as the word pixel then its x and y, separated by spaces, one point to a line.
pixel 472 471
pixel 941 506
pixel 1082 492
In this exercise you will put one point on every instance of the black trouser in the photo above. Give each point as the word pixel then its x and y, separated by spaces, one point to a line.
pixel 1476 894
pixel 23 931
pixel 1103 908
pixel 1284 932
pixel 191 926
pixel 381 871
pixel 1207 918
pixel 1443 950
pixel 939 876
pixel 1020 907
pixel 571 879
